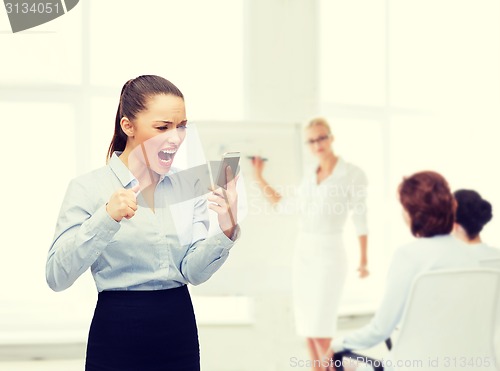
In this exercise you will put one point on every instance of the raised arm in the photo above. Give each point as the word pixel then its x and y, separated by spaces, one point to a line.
pixel 269 192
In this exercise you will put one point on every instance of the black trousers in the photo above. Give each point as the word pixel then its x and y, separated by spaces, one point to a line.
pixel 143 331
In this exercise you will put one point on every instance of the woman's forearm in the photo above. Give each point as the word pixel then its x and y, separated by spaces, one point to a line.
pixel 363 247
pixel 269 192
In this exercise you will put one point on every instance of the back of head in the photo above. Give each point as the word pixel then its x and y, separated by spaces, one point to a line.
pixel 427 198
pixel 473 212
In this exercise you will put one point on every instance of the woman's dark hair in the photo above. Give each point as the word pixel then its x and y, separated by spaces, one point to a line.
pixel 133 99
pixel 473 212
pixel 428 200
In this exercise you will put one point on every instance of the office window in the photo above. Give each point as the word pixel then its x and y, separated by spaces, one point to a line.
pixel 201 54
pixel 49 54
pixel 444 54
pixel 101 126
pixel 38 159
pixel 352 52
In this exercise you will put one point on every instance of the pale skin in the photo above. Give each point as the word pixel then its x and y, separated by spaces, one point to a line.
pixel 161 126
pixel 320 143
pixel 461 234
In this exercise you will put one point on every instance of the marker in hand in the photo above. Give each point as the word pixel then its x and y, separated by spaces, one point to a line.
pixel 254 157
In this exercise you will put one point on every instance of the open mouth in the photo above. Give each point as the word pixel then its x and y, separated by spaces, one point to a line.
pixel 166 156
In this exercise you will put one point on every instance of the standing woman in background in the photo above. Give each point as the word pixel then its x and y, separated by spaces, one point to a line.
pixel 473 213
pixel 327 194
pixel 141 255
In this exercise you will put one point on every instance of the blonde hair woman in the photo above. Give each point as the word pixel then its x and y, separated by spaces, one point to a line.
pixel 327 195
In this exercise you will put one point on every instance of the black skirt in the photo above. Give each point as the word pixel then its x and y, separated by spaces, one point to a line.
pixel 143 331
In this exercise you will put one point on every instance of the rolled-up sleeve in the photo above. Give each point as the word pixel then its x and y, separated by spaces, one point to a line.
pixel 206 253
pixel 80 237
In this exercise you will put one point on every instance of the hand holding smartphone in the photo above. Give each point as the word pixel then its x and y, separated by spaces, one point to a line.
pixel 230 159
pixel 222 200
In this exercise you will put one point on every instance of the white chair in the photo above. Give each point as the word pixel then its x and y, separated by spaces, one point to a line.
pixel 493 263
pixel 450 322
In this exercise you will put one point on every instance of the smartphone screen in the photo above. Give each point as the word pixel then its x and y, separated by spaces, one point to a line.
pixel 228 159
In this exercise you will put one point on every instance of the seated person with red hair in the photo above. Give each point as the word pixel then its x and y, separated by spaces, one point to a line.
pixel 429 211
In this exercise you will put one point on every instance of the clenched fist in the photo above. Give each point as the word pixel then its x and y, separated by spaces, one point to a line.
pixel 123 203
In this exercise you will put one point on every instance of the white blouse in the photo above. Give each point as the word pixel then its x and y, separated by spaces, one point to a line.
pixel 158 250
pixel 324 208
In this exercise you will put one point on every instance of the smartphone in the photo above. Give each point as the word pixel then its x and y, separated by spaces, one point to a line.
pixel 228 159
